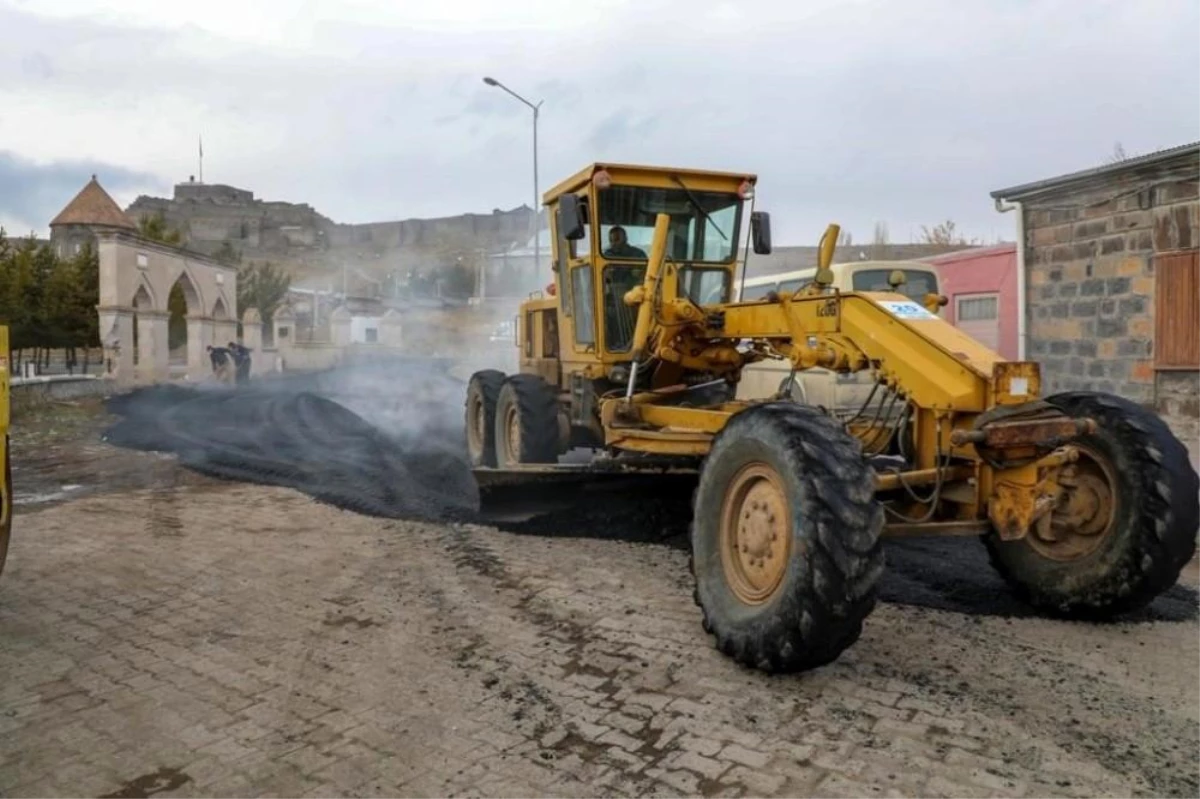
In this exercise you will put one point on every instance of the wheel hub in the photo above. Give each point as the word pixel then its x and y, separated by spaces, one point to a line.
pixel 512 424
pixel 756 534
pixel 475 433
pixel 1086 512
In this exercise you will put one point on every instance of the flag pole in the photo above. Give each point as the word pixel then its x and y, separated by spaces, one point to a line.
pixel 201 159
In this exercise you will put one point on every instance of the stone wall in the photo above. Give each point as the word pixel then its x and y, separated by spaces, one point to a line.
pixel 1091 289
pixel 1178 401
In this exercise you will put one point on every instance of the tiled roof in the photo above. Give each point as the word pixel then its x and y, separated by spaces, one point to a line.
pixel 93 206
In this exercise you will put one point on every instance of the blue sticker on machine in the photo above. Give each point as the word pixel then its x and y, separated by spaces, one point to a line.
pixel 906 309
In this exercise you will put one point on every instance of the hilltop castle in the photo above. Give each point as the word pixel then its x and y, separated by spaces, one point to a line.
pixel 209 215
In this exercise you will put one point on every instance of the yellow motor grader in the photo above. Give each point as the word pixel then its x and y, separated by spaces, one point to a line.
pixel 1087 503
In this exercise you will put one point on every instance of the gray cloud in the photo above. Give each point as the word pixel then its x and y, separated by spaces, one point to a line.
pixel 32 194
pixel 848 111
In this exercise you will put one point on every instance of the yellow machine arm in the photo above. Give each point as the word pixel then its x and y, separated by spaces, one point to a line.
pixel 644 295
pixel 930 361
pixel 951 382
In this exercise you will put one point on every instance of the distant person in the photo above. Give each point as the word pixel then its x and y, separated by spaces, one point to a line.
pixel 222 363
pixel 241 360
pixel 619 246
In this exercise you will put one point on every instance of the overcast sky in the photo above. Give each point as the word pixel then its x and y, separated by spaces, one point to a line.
pixel 907 111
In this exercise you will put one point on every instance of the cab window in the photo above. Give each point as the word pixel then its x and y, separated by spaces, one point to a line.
pixel 917 282
pixel 704 286
pixel 581 295
pixel 619 318
pixel 704 225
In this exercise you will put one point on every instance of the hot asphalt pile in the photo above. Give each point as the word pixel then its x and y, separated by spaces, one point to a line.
pixel 287 434
pixel 384 441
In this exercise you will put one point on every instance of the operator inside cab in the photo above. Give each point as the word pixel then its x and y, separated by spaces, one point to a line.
pixel 619 246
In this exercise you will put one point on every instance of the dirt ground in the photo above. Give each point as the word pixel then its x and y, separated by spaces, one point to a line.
pixel 167 634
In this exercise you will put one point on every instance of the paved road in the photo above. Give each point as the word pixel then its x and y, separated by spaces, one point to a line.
pixel 213 639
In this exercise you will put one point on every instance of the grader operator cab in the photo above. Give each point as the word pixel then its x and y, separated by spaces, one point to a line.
pixel 1087 503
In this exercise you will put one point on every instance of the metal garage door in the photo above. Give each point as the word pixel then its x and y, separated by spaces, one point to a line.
pixel 978 315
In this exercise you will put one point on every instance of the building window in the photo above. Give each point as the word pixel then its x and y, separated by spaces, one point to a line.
pixel 1177 310
pixel 977 308
pixel 372 335
pixel 283 332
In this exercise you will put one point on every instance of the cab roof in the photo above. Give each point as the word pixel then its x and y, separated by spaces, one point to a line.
pixel 584 176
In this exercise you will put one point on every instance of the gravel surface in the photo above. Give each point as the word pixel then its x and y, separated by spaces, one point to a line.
pixel 203 637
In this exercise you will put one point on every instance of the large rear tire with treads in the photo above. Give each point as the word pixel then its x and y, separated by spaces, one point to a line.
pixel 483 390
pixel 527 428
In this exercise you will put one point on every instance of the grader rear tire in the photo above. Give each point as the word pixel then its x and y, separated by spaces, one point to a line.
pixel 482 392
pixel 527 427
pixel 785 538
pixel 1129 525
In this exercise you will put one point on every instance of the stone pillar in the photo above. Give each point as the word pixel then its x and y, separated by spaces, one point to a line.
pixel 252 331
pixel 390 329
pixel 284 327
pixel 116 337
pixel 339 327
pixel 153 353
pixel 224 332
pixel 199 338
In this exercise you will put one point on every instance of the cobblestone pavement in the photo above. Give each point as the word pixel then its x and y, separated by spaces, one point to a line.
pixel 209 639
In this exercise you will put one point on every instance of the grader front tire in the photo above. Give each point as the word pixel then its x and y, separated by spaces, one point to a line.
pixel 1126 526
pixel 785 539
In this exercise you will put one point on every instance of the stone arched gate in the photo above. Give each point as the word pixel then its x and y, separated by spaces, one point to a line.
pixel 136 279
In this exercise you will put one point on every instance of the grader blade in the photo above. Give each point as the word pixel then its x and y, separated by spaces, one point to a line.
pixel 529 491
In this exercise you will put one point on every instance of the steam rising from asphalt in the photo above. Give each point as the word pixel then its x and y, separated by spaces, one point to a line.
pixel 384 438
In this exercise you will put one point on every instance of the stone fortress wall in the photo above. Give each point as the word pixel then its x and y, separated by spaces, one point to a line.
pixel 295 233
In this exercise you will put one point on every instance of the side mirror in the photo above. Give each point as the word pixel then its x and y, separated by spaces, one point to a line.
pixel 571 217
pixel 760 232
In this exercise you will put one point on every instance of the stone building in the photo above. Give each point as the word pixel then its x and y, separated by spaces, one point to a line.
pixel 1110 282
pixel 92 210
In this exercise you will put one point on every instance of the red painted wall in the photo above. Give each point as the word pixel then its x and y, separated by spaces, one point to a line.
pixel 983 270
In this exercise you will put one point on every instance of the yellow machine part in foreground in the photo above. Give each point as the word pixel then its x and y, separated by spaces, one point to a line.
pixel 6 499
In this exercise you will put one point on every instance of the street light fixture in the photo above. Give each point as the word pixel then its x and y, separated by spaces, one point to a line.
pixel 537 202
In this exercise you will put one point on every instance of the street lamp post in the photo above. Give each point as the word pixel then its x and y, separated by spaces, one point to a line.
pixel 537 202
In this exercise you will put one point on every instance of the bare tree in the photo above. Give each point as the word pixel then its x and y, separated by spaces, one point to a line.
pixel 1118 154
pixel 946 233
pixel 845 238
pixel 879 240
